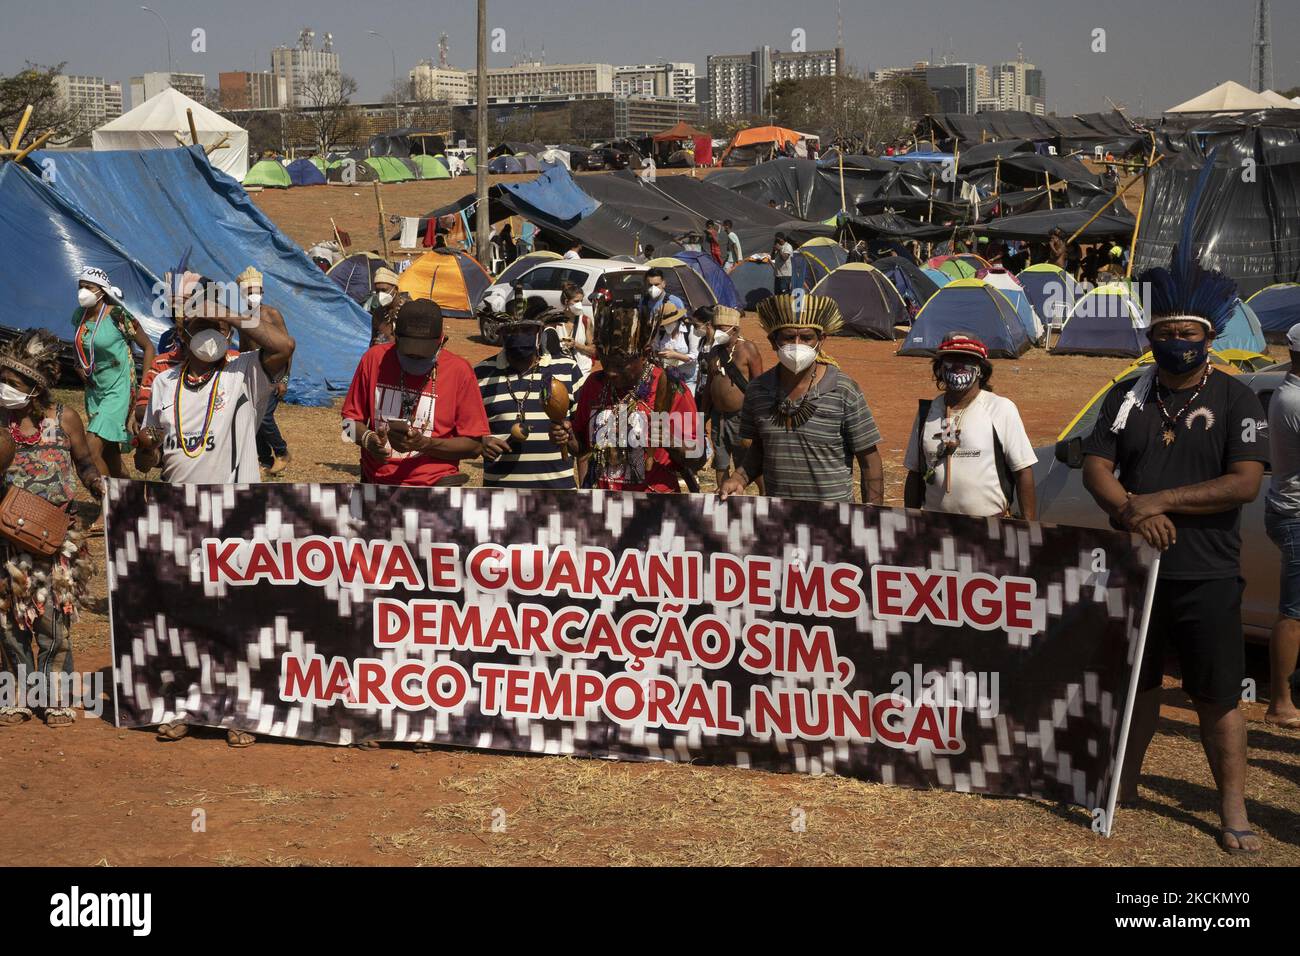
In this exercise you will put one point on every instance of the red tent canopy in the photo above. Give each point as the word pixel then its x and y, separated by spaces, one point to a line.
pixel 682 131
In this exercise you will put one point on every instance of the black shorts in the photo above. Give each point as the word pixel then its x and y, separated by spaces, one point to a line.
pixel 1201 620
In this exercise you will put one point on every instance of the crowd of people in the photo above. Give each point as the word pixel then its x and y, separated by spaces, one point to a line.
pixel 637 394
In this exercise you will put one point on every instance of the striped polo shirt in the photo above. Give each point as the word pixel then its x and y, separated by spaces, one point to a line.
pixel 815 459
pixel 538 462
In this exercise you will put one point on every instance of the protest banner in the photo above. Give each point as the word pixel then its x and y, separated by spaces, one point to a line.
pixel 910 648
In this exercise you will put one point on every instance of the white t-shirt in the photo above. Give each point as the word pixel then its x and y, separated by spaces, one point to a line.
pixel 229 453
pixel 785 261
pixel 975 489
pixel 570 255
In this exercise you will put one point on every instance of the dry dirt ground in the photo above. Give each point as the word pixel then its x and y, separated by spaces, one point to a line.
pixel 92 794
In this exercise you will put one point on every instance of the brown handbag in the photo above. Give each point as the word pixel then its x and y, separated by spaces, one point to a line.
pixel 32 523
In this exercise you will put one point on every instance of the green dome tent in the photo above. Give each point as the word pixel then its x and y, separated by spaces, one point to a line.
pixel 389 169
pixel 269 174
pixel 429 167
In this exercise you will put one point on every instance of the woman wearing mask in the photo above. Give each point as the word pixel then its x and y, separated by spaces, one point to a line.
pixel 105 333
pixel 38 595
pixel 968 452
pixel 571 338
pixel 382 304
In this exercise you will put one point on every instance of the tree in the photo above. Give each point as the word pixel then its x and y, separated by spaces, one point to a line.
pixel 326 108
pixel 1291 93
pixel 34 85
pixel 846 109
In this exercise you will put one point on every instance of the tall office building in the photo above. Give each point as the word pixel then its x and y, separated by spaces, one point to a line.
pixel 671 80
pixel 148 85
pixel 251 91
pixel 431 82
pixel 91 101
pixel 739 83
pixel 536 78
pixel 300 65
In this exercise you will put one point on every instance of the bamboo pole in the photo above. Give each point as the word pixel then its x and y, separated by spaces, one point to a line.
pixel 343 249
pixel 1109 202
pixel 1142 204
pixel 22 128
pixel 194 132
pixel 209 150
pixel 1047 178
pixel 929 216
pixel 34 145
pixel 383 233
pixel 844 205
pixel 997 176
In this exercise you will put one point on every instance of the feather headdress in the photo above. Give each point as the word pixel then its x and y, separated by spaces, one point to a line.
pixel 1184 290
pixel 35 356
pixel 622 330
pixel 801 311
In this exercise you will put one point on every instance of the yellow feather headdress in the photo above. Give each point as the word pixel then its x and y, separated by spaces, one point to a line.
pixel 819 312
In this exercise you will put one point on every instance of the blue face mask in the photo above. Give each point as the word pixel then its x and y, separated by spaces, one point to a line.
pixel 413 365
pixel 1179 356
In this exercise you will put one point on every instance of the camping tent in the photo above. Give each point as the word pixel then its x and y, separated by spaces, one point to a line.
pixel 339 170
pixel 701 151
pixel 868 301
pixel 754 280
pixel 826 251
pixel 505 166
pixel 305 172
pixel 1051 291
pixel 684 282
pixel 957 267
pixel 154 125
pixel 756 142
pixel 1242 333
pixel 973 307
pixel 939 278
pixel 389 169
pixel 807 270
pixel 429 167
pixel 356 274
pixel 712 273
pixel 449 277
pixel 201 209
pixel 1106 320
pixel 268 174
pixel 1229 97
pixel 1277 308
pixel 909 279
pixel 1006 283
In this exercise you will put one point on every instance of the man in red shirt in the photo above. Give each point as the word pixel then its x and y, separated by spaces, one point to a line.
pixel 639 425
pixel 414 407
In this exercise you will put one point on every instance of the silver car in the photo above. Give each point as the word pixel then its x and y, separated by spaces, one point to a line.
pixel 1062 499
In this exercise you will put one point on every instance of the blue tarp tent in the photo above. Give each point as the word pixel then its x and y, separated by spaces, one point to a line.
pixel 157 203
pixel 1277 307
pixel 753 281
pixel 973 307
pixel 303 172
pixel 1106 320
pixel 712 273
pixel 554 194
pixel 1243 331
pixel 46 244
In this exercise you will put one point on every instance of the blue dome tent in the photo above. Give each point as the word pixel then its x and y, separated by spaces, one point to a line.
pixel 972 307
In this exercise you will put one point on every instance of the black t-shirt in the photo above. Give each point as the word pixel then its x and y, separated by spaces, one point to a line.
pixel 1226 424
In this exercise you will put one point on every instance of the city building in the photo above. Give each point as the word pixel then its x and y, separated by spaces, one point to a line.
pixel 547 78
pixel 955 86
pixel 149 85
pixel 656 80
pixel 251 91
pixel 974 88
pixel 739 82
pixel 438 83
pixel 91 101
pixel 301 68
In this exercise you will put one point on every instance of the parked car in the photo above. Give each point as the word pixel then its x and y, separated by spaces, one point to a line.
pixel 546 281
pixel 1062 499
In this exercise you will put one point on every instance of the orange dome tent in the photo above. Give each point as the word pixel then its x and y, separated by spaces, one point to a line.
pixel 449 277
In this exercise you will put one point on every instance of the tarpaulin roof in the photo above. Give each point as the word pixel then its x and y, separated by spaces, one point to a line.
pixel 553 194
pixel 999 124
pixel 803 188
pixel 404 142
pixel 682 130
pixel 1115 221
pixel 155 204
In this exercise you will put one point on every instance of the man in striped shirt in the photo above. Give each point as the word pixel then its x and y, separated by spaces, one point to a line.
pixel 515 384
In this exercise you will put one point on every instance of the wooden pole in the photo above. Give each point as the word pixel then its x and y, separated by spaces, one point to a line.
pixel 1109 202
pixel 1142 203
pixel 997 175
pixel 35 144
pixel 383 233
pixel 844 205
pixel 1047 178
pixel 343 249
pixel 929 216
pixel 194 133
pixel 22 128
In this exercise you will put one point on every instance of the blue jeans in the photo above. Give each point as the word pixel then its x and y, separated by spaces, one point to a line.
pixel 270 442
pixel 1284 531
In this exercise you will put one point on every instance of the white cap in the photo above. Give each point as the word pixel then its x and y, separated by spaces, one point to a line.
pixel 1293 338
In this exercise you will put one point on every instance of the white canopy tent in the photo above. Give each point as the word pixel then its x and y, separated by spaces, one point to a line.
pixel 1279 101
pixel 156 123
pixel 1229 97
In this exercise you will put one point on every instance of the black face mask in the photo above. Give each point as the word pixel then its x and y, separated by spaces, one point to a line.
pixel 520 346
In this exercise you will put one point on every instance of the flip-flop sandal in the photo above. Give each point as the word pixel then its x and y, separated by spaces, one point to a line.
pixel 1286 723
pixel 172 731
pixel 13 716
pixel 239 739
pixel 1237 850
pixel 60 717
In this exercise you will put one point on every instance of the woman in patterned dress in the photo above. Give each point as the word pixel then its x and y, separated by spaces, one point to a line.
pixel 105 332
pixel 40 596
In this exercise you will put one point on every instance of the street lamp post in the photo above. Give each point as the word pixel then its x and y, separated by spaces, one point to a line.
pixel 397 114
pixel 169 39
pixel 482 215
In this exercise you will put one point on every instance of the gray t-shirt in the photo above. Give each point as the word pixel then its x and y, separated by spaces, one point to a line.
pixel 785 261
pixel 1284 446
pixel 815 459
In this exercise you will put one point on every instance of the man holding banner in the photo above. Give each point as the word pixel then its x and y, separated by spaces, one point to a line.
pixel 1191 445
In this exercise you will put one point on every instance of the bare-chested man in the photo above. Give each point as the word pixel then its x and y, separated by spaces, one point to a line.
pixel 733 363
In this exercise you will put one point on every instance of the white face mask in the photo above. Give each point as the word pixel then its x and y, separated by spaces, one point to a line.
pixel 655 291
pixel 86 298
pixel 797 357
pixel 208 345
pixel 13 398
pixel 254 299
pixel 721 337
pixel 384 298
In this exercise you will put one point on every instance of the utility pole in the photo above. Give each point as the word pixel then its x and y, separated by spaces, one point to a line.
pixel 481 215
pixel 1261 65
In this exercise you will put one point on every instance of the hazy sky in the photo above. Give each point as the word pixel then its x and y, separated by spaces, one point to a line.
pixel 1159 52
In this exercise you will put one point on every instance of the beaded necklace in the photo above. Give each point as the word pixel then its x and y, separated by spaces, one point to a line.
pixel 207 417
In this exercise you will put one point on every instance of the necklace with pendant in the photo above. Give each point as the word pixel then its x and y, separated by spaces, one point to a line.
pixel 792 414
pixel 1169 431
pixel 519 431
